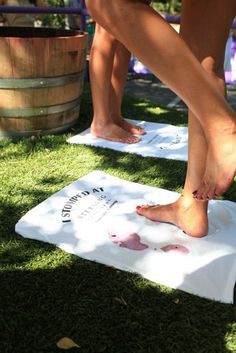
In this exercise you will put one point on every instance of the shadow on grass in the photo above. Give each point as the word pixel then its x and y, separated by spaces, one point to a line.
pixel 167 174
pixel 25 147
pixel 143 109
pixel 105 310
pixel 102 309
pixel 132 108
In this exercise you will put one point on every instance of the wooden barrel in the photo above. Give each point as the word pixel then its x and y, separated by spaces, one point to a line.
pixel 41 79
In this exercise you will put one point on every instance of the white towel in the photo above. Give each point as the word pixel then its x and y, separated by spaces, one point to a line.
pixel 95 218
pixel 160 140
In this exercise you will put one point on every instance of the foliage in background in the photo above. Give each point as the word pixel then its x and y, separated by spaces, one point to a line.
pixel 167 6
pixel 54 20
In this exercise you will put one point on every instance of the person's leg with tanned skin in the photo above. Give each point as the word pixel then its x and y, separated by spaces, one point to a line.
pixel 170 59
pixel 109 62
pixel 197 22
pixel 118 79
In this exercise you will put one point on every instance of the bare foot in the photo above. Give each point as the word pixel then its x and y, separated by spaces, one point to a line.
pixel 191 217
pixel 131 128
pixel 113 132
pixel 220 166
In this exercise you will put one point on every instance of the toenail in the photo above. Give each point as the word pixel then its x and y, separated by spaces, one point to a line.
pixel 138 207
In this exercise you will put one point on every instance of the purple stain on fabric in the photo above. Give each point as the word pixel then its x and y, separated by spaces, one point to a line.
pixel 130 241
pixel 175 248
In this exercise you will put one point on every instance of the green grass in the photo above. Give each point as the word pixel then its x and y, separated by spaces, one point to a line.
pixel 47 294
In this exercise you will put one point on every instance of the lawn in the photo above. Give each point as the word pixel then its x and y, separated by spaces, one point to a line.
pixel 47 294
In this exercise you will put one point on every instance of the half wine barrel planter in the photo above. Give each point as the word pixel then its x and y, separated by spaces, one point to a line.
pixel 41 79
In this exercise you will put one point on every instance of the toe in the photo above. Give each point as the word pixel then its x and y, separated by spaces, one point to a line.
pixel 140 130
pixel 133 139
pixel 208 192
pixel 204 192
pixel 197 194
pixel 140 209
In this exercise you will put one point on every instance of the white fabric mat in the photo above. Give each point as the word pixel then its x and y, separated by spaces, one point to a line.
pixel 161 140
pixel 95 218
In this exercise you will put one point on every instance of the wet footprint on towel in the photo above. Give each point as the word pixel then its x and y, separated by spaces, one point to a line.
pixel 130 241
pixel 175 248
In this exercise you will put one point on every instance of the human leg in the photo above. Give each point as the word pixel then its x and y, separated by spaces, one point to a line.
pixel 168 56
pixel 199 21
pixel 188 213
pixel 101 67
pixel 118 79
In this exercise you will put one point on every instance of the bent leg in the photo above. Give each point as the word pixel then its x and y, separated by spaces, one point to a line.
pixel 162 50
pixel 173 64
pixel 211 54
pixel 199 21
pixel 188 213
pixel 101 66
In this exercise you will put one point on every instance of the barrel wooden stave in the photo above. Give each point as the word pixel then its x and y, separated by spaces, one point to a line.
pixel 39 124
pixel 33 97
pixel 56 61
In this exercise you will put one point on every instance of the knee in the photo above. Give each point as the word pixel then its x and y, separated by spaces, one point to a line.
pixel 108 13
pixel 211 60
pixel 102 11
pixel 213 66
pixel 110 7
pixel 91 6
pixel 215 69
pixel 94 7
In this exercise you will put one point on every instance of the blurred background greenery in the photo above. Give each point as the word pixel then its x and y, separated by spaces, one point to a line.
pixel 167 6
pixel 54 20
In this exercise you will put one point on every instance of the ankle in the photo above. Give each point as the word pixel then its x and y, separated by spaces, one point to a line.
pixel 187 201
pixel 99 123
pixel 117 117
